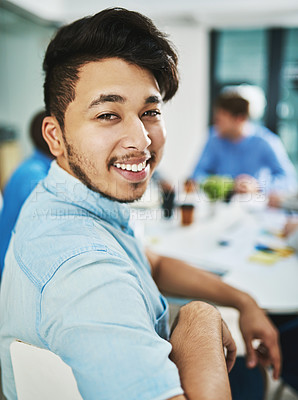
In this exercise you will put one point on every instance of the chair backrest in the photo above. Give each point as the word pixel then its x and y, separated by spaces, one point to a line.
pixel 41 374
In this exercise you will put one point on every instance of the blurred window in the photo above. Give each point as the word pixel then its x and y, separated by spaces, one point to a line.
pixel 287 109
pixel 267 58
pixel 241 58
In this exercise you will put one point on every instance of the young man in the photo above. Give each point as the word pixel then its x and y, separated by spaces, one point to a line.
pixel 251 154
pixel 76 280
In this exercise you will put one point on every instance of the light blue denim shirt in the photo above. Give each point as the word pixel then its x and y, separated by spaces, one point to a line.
pixel 77 282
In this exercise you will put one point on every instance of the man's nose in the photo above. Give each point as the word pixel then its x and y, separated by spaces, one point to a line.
pixel 135 135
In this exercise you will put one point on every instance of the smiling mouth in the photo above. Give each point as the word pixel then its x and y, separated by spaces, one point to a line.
pixel 131 167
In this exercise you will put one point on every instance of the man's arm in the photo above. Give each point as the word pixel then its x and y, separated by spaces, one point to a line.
pixel 176 277
pixel 280 180
pixel 281 154
pixel 197 350
pixel 95 316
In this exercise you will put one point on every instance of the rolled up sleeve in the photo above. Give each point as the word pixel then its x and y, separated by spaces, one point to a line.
pixel 95 315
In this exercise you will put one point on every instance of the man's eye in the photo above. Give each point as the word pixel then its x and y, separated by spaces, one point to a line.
pixel 107 117
pixel 151 113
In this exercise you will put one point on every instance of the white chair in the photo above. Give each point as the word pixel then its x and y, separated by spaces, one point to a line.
pixel 41 374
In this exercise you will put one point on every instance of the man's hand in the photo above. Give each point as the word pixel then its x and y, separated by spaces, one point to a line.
pixel 255 325
pixel 246 184
pixel 290 227
pixel 229 345
pixel 275 200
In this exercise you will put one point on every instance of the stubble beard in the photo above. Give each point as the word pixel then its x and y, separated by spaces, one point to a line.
pixel 75 161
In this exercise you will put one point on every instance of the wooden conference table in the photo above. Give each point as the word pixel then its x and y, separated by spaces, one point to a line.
pixel 227 244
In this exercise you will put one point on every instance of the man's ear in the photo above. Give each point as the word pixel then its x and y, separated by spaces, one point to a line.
pixel 52 134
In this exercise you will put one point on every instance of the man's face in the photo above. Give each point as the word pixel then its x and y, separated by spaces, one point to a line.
pixel 114 132
pixel 227 125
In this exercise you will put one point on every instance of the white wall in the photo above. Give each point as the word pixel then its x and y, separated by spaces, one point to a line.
pixel 22 46
pixel 187 114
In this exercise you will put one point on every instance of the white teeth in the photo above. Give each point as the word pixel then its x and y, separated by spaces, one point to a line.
pixel 132 167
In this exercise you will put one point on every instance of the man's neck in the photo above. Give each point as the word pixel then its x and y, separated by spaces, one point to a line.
pixel 240 132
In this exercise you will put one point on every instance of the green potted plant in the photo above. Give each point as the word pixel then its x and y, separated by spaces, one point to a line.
pixel 217 188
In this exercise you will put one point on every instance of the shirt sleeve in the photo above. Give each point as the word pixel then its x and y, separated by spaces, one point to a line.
pixel 278 174
pixel 290 179
pixel 96 317
pixel 206 164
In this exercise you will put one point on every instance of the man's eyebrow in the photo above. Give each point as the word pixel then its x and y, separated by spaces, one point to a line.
pixel 153 99
pixel 104 98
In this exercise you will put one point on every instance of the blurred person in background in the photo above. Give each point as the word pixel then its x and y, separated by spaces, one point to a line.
pixel 22 182
pixel 249 153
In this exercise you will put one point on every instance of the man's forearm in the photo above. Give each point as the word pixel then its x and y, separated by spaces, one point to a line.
pixel 177 277
pixel 198 353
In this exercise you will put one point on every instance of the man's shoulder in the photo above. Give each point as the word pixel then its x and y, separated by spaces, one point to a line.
pixel 257 140
pixel 265 133
pixel 49 234
pixel 213 134
pixel 214 140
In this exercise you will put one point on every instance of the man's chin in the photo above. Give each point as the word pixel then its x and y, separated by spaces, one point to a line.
pixel 124 199
pixel 134 193
pixel 116 191
pixel 128 200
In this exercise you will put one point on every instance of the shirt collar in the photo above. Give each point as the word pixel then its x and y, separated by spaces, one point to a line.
pixel 70 189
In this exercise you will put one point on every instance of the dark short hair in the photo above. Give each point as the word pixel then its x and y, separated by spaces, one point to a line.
pixel 35 131
pixel 233 103
pixel 114 32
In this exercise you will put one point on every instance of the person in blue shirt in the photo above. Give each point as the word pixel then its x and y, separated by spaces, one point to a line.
pixel 22 182
pixel 249 153
pixel 76 279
